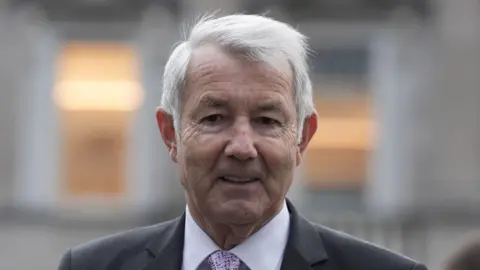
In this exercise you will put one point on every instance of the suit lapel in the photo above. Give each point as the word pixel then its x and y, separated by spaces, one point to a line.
pixel 292 259
pixel 304 248
pixel 166 251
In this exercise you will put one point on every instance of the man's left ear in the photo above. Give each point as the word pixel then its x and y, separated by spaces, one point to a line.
pixel 309 129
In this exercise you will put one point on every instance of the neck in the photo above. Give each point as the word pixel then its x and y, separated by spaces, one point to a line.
pixel 227 236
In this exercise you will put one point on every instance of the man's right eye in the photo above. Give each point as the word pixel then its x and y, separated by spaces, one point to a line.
pixel 212 119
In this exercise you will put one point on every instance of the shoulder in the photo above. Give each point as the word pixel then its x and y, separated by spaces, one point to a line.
pixel 349 252
pixel 138 237
pixel 102 252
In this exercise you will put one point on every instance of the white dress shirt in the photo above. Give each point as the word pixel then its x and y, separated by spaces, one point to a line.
pixel 261 251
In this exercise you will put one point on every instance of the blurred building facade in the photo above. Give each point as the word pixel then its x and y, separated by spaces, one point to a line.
pixel 395 160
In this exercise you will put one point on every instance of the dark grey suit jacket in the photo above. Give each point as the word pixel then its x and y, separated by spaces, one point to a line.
pixel 160 247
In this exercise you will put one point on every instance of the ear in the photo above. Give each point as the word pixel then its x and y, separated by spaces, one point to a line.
pixel 309 129
pixel 167 129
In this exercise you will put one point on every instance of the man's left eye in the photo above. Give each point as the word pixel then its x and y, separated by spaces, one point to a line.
pixel 267 121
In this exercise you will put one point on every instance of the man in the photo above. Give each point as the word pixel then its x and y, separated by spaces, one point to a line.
pixel 236 116
pixel 467 257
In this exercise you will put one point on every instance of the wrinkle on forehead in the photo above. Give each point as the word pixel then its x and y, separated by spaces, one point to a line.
pixel 211 63
pixel 213 69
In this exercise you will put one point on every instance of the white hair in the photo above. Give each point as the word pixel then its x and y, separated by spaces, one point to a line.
pixel 255 36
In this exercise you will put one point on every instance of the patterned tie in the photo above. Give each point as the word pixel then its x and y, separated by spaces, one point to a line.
pixel 223 260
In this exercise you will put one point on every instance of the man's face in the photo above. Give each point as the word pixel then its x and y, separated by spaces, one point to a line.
pixel 238 149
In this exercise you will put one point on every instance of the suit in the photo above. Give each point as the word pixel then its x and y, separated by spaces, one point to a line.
pixel 160 247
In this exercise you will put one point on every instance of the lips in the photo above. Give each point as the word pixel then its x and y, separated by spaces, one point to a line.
pixel 239 180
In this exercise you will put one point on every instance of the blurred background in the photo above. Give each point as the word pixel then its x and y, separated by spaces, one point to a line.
pixel 395 161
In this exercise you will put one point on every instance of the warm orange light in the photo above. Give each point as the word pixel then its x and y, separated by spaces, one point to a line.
pixel 344 133
pixel 97 61
pixel 98 76
pixel 98 95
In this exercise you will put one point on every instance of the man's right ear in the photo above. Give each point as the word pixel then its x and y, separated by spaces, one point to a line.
pixel 167 129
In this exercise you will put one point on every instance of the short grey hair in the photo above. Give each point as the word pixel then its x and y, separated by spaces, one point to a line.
pixel 259 38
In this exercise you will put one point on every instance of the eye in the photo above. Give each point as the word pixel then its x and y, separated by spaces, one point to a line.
pixel 267 121
pixel 212 119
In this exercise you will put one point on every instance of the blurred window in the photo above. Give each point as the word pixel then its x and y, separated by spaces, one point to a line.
pixel 338 154
pixel 96 92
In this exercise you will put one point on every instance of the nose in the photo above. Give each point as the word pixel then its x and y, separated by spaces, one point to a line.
pixel 241 145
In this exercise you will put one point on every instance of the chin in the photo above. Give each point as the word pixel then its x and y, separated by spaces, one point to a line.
pixel 238 211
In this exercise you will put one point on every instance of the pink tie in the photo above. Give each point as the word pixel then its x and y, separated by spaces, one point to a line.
pixel 223 260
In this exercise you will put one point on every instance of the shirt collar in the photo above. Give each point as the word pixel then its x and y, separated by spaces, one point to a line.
pixel 264 249
pixel 197 244
pixel 261 250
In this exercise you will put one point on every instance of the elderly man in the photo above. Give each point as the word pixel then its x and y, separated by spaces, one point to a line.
pixel 467 256
pixel 236 116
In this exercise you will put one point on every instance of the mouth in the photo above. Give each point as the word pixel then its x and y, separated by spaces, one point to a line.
pixel 238 180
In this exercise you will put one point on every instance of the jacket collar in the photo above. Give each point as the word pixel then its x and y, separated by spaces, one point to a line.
pixel 304 248
pixel 166 250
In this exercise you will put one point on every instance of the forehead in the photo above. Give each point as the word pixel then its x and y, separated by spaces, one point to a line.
pixel 213 69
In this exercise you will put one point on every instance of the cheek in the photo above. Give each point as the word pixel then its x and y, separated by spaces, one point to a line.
pixel 198 157
pixel 282 151
pixel 280 160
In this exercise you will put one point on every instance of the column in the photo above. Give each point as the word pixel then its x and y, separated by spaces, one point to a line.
pixel 36 139
pixel 456 180
pixel 426 90
pixel 426 165
pixel 8 54
pixel 153 174
pixel 458 172
pixel 404 98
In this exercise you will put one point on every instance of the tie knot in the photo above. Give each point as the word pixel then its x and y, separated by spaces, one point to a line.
pixel 223 260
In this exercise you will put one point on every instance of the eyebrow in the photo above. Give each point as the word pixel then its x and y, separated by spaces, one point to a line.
pixel 211 102
pixel 270 106
pixel 214 102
